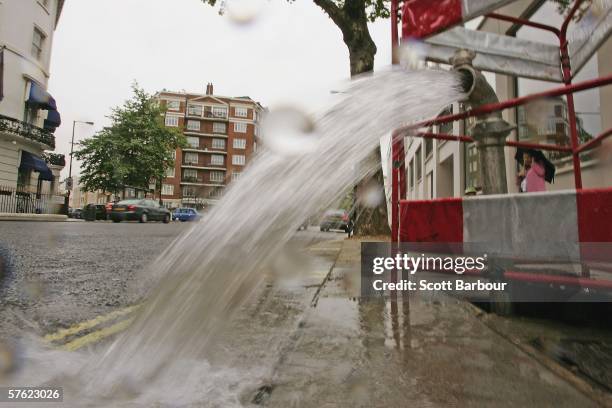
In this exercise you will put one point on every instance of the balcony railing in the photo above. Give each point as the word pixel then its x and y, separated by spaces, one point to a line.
pixel 26 130
pixel 187 179
pixel 55 159
pixel 211 114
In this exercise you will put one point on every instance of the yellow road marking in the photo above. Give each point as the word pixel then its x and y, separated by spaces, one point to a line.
pixel 97 335
pixel 89 324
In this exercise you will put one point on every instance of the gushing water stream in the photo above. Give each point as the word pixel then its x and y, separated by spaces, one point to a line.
pixel 210 271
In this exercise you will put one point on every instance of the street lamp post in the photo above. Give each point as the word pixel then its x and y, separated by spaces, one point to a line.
pixel 69 184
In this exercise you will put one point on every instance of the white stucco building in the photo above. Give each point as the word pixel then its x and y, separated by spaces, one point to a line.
pixel 436 169
pixel 28 114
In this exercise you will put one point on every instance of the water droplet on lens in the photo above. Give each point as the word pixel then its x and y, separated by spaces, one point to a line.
pixel 243 12
pixel 33 289
pixel 411 54
pixel 289 132
pixel 373 196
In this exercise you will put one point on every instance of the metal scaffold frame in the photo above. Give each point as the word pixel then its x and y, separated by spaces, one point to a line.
pixel 398 176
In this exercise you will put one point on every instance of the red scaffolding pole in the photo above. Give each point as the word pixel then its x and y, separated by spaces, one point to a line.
pixel 575 148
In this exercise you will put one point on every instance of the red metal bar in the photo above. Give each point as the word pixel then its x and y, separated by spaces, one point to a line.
pixel 525 22
pixel 571 110
pixel 510 103
pixel 568 20
pixel 595 141
pixel 511 143
pixel 558 279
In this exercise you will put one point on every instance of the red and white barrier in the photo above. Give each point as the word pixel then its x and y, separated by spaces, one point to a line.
pixel 513 224
pixel 574 228
pixel 422 18
pixel 583 216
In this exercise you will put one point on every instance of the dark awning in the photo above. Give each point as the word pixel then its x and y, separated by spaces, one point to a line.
pixel 53 120
pixel 40 98
pixel 35 163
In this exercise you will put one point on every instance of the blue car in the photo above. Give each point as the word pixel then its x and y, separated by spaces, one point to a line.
pixel 186 214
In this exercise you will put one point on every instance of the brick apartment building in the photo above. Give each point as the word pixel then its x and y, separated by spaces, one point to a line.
pixel 222 134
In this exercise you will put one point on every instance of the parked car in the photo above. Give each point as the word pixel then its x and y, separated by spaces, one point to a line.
pixel 94 212
pixel 186 214
pixel 139 210
pixel 335 219
pixel 75 213
pixel 109 206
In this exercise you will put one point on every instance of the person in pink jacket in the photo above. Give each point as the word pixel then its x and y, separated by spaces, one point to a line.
pixel 532 174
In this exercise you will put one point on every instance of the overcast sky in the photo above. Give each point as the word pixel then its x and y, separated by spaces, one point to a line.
pixel 290 54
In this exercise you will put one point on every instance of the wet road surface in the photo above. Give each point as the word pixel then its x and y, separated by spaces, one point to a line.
pixel 68 272
pixel 305 340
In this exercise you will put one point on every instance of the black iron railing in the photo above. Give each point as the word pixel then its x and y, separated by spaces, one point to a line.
pixel 55 158
pixel 27 131
pixel 21 200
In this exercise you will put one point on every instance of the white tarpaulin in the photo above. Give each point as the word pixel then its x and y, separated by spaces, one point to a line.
pixel 498 53
pixel 591 32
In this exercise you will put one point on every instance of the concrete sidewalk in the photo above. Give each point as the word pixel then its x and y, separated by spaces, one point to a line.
pixel 33 217
pixel 418 352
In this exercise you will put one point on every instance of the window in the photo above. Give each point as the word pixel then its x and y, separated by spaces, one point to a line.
pixel 256 130
pixel 241 112
pixel 239 143
pixel 219 127
pixel 235 175
pixel 191 158
pixel 195 110
pixel 172 121
pixel 167 189
pixel 193 125
pixel 174 155
pixel 418 164
pixel 238 159
pixel 130 192
pixel 218 144
pixel 217 176
pixel 170 172
pixel 219 112
pixel 411 175
pixel 189 191
pixel 190 175
pixel 240 127
pixel 38 42
pixel 216 159
pixel 428 147
pixel 193 141
pixel 173 105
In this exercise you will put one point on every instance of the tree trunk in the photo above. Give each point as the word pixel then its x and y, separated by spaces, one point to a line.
pixel 368 220
pixel 352 20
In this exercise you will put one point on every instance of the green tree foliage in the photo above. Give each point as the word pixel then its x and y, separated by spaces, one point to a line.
pixel 564 7
pixel 135 150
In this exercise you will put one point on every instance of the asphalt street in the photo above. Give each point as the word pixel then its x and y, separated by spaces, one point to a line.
pixel 58 274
